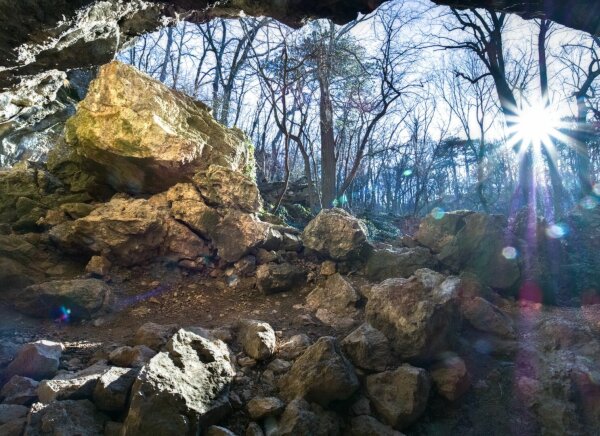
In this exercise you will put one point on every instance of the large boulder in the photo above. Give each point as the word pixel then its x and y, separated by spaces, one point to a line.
pixel 398 262
pixel 226 188
pixel 336 234
pixel 417 314
pixel 19 390
pixel 65 299
pixel 321 374
pixel 368 348
pixel 129 232
pixel 472 242
pixel 237 234
pixel 399 396
pixel 183 390
pixel 112 389
pixel 188 206
pixel 140 136
pixel 76 386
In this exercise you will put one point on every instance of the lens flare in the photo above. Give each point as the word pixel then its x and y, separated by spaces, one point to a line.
pixel 597 189
pixel 438 213
pixel 510 253
pixel 535 125
pixel 557 231
pixel 407 173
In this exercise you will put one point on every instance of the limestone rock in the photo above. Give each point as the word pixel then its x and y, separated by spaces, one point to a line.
pixel 272 278
pixel 182 390
pixel 257 339
pixel 336 234
pixel 237 234
pixel 69 417
pixel 19 390
pixel 328 268
pixel 188 206
pixel 14 427
pixel 368 426
pixel 334 300
pixel 367 348
pixel 8 351
pixel 259 408
pixel 402 262
pixel 486 317
pixel 113 387
pixel 472 242
pixel 153 335
pixel 417 315
pixel 399 396
pixel 18 263
pixel 450 377
pixel 321 374
pixel 131 357
pixel 75 386
pixel 226 188
pixel 69 299
pixel 142 137
pixel 298 419
pixel 36 360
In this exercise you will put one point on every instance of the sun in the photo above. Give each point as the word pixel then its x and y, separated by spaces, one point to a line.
pixel 535 126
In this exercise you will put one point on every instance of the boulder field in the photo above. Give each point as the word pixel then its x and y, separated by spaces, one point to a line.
pixel 156 296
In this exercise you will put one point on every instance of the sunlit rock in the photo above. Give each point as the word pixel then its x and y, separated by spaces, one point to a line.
pixel 154 336
pixel 336 234
pixel 72 386
pixel 257 339
pixel 418 315
pixel 334 301
pixel 36 360
pixel 228 188
pixel 19 390
pixel 139 136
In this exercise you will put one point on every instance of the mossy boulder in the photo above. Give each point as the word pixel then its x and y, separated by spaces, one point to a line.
pixel 139 136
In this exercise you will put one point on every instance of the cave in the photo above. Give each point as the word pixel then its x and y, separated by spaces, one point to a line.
pixel 364 217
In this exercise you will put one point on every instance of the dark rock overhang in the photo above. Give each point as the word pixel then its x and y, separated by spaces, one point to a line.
pixel 41 35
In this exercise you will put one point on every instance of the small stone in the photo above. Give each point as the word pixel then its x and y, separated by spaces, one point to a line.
pixel 19 390
pixel 362 406
pixel 37 360
pixel 294 346
pixel 450 377
pixel 328 268
pixel 98 266
pixel 259 408
pixel 246 362
pixel 279 366
pixel 257 339
pixel 131 357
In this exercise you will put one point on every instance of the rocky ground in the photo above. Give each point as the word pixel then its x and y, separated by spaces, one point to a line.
pixel 146 292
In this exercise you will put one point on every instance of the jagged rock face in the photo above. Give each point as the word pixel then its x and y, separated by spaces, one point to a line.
pixel 142 137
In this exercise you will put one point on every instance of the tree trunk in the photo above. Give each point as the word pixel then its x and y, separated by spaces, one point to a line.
pixel 328 161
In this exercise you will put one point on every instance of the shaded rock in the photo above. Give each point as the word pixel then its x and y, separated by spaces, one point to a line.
pixel 139 146
pixel 279 366
pixel 291 242
pixel 472 242
pixel 486 317
pixel 321 374
pixel 10 412
pixel 272 278
pixel 257 339
pixel 75 386
pixel 113 428
pixel 368 426
pixel 98 266
pixel 299 420
pixel 399 396
pixel 400 262
pixel 18 263
pixel 19 390
pixel 367 348
pixel 14 427
pixel 254 429
pixel 417 315
pixel 76 299
pixel 182 390
pixel 237 234
pixel 112 389
pixel 295 346
pixel 335 301
pixel 154 335
pixel 336 234
pixel 8 351
pixel 259 408
pixel 69 417
pixel 450 377
pixel 226 188
pixel 36 360
pixel 131 357
pixel 77 210
pixel 246 266
pixel 215 430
